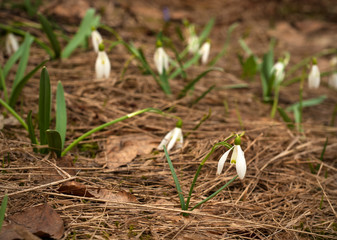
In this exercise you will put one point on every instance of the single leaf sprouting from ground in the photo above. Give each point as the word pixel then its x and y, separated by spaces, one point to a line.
pixel 120 196
pixel 122 150
pixel 61 113
pixel 41 220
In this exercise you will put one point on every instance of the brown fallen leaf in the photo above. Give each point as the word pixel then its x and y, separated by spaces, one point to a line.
pixel 121 150
pixel 14 231
pixel 75 188
pixel 121 196
pixel 41 220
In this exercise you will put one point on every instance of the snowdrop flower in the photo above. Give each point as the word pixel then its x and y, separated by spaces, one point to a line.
pixel 174 136
pixel 333 81
pixel 193 44
pixel 96 39
pixel 161 59
pixel 278 70
pixel 12 44
pixel 314 76
pixel 238 158
pixel 204 52
pixel 102 65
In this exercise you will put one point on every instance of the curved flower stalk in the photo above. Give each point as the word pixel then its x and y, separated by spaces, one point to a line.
pixel 96 39
pixel 314 76
pixel 204 51
pixel 161 60
pixel 12 44
pixel 102 65
pixel 174 137
pixel 238 158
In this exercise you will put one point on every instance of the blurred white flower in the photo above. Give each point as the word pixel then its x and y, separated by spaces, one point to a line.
pixel 12 44
pixel 102 65
pixel 314 77
pixel 238 158
pixel 96 39
pixel 204 52
pixel 175 136
pixel 193 44
pixel 278 70
pixel 161 60
pixel 333 81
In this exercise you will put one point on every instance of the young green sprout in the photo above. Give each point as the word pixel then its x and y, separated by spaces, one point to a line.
pixel 161 59
pixel 204 51
pixel 102 65
pixel 238 158
pixel 12 44
pixel 175 136
pixel 96 39
pixel 333 77
pixel 314 75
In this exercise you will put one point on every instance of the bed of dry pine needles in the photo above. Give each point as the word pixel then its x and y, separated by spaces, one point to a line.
pixel 280 198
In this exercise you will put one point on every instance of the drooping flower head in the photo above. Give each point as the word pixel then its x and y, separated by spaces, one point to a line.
pixel 204 51
pixel 102 65
pixel 278 70
pixel 314 75
pixel 333 78
pixel 96 39
pixel 12 44
pixel 161 59
pixel 238 158
pixel 175 136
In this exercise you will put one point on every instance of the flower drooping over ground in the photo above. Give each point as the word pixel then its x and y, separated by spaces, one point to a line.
pixel 161 59
pixel 174 137
pixel 96 39
pixel 12 44
pixel 314 76
pixel 102 65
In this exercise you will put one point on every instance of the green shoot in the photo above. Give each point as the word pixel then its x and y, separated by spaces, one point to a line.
pixel 3 210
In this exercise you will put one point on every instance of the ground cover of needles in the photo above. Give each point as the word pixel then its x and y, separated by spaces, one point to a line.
pixel 280 198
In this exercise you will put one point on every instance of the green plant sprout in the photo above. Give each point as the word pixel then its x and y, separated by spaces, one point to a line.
pixel 3 210
pixel 55 138
pixel 20 80
pixel 237 159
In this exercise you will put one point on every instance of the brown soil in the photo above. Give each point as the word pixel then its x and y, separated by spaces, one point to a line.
pixel 280 198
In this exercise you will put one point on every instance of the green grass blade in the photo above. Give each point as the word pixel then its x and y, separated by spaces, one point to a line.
pixel 61 113
pixel 225 46
pixel 18 88
pixel 44 105
pixel 191 84
pixel 307 103
pixel 13 59
pixel 204 34
pixel 285 118
pixel 23 60
pixel 266 74
pixel 3 84
pixel 54 141
pixel 84 31
pixel 12 111
pixel 176 181
pixel 3 210
pixel 47 28
pixel 189 63
pixel 31 131
pixel 202 95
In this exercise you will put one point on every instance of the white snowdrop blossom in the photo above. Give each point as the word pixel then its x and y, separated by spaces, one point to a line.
pixel 314 77
pixel 96 39
pixel 102 65
pixel 193 44
pixel 12 44
pixel 204 52
pixel 161 60
pixel 278 69
pixel 333 81
pixel 238 158
pixel 175 136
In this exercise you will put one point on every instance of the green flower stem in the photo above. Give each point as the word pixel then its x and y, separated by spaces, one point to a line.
pixel 214 194
pixel 202 164
pixel 87 134
pixel 3 84
pixel 12 111
pixel 275 102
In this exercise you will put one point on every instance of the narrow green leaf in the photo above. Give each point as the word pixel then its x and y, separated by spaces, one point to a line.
pixel 3 210
pixel 23 60
pixel 3 84
pixel 285 118
pixel 44 105
pixel 31 131
pixel 176 181
pixel 61 113
pixel 250 67
pixel 47 28
pixel 16 91
pixel 84 31
pixel 12 111
pixel 189 63
pixel 54 141
pixel 12 60
pixel 191 84
pixel 266 74
pixel 204 34
pixel 202 95
pixel 307 103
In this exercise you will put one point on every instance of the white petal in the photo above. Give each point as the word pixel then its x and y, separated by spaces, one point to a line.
pixel 234 154
pixel 193 44
pixel 176 134
pixel 12 44
pixel 165 140
pixel 161 60
pixel 102 65
pixel 96 39
pixel 180 140
pixel 314 77
pixel 241 166
pixel 333 81
pixel 278 69
pixel 204 52
pixel 222 161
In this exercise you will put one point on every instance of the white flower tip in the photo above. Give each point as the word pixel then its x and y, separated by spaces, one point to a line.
pixel 314 77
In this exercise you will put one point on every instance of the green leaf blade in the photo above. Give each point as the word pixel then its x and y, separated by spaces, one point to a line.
pixel 61 113
pixel 47 28
pixel 54 141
